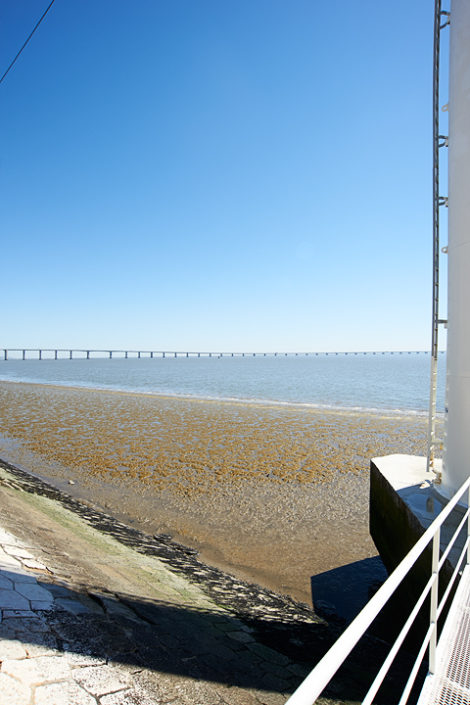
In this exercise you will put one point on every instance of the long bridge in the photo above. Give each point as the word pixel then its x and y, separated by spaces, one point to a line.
pixel 88 354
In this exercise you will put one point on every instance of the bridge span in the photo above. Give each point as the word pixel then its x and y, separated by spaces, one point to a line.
pixel 88 354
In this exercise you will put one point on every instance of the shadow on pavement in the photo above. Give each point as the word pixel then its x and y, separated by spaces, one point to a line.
pixel 208 645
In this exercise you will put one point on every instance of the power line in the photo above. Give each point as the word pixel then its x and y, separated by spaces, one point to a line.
pixel 27 40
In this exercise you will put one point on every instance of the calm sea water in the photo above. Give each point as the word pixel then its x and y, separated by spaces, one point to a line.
pixel 396 382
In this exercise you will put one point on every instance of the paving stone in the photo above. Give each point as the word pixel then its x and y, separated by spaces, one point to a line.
pixel 11 600
pixel 5 582
pixel 21 576
pixel 18 613
pixel 32 563
pixel 130 697
pixel 7 538
pixel 236 696
pixel 58 590
pixel 25 624
pixel 11 649
pixel 42 645
pixel 38 670
pixel 62 694
pixel 73 606
pixel 17 552
pixel 268 654
pixel 117 609
pixel 13 693
pixel 34 591
pixel 298 670
pixel 7 562
pixel 79 659
pixel 241 636
pixel 269 698
pixel 101 680
pixel 39 605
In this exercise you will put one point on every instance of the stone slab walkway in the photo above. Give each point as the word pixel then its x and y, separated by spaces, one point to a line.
pixel 88 619
pixel 93 612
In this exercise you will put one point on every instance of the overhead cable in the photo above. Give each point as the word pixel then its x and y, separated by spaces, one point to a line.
pixel 27 40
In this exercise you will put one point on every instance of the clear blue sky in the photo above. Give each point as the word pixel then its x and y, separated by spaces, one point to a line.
pixel 217 174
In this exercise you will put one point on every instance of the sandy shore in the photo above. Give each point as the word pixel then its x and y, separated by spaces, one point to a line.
pixel 275 494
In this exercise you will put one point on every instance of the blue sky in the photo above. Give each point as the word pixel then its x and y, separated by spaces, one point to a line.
pixel 217 174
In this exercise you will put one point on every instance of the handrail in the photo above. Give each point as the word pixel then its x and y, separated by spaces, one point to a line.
pixel 310 689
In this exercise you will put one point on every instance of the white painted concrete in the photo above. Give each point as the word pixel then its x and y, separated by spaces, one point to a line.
pixel 457 454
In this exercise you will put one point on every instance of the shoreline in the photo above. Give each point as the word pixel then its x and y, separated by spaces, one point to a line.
pixel 384 412
pixel 274 494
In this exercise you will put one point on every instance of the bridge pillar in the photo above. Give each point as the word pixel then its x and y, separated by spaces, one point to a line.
pixel 24 354
pixel 110 354
pixel 55 354
pixel 40 354
pixel 5 354
pixel 70 354
pixel 126 354
pixel 87 354
pixel 138 355
pixel 151 355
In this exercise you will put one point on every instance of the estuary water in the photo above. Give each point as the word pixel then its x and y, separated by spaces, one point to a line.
pixel 397 382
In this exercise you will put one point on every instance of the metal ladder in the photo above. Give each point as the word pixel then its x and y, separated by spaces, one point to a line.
pixel 441 20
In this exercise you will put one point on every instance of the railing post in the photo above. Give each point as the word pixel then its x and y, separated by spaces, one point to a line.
pixel 434 599
pixel 468 527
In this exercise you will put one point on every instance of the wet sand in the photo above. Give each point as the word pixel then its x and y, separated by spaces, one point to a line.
pixel 275 494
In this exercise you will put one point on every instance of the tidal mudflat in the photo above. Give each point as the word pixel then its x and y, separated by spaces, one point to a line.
pixel 273 493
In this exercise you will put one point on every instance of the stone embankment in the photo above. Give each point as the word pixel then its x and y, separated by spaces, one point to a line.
pixel 96 613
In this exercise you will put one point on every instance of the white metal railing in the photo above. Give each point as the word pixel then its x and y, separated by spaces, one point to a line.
pixel 310 689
